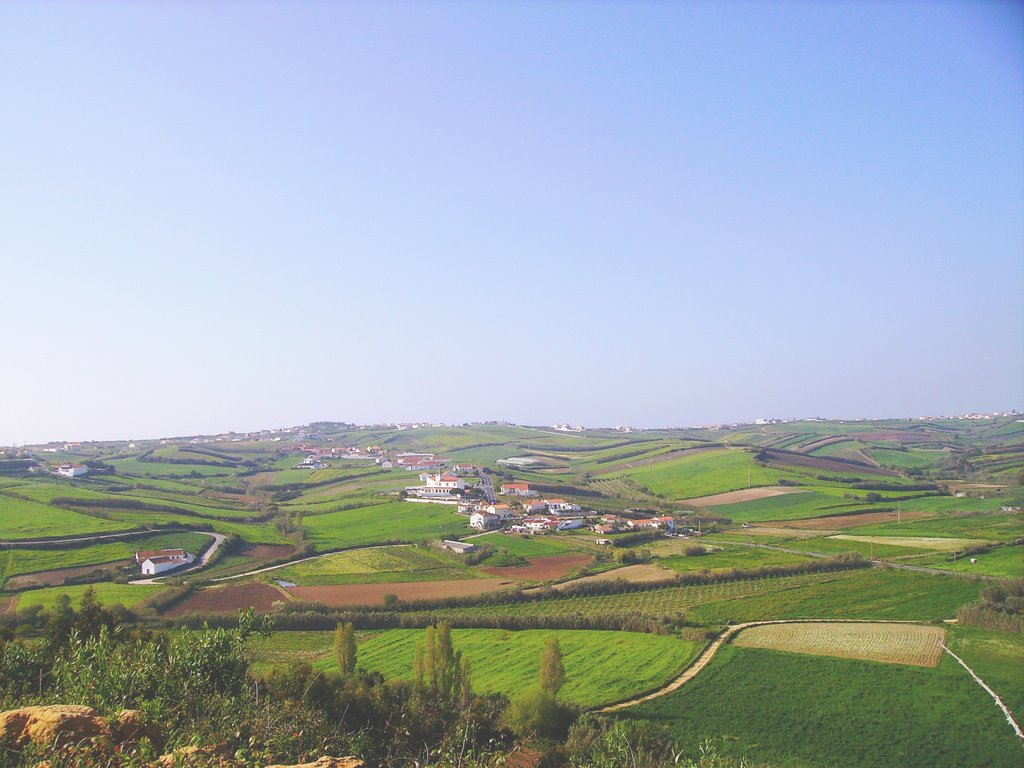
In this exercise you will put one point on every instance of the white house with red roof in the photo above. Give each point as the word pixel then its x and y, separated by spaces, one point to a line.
pixel 562 507
pixel 156 561
pixel 517 489
pixel 534 507
pixel 438 486
pixel 72 470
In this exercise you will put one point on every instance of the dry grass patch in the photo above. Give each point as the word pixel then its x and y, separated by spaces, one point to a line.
pixel 912 644
pixel 746 494
pixel 935 543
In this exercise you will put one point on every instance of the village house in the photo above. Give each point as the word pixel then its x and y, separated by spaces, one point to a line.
pixel 72 470
pixel 503 511
pixel 484 521
pixel 517 489
pixel 534 507
pixel 561 506
pixel 159 560
pixel 437 486
pixel 311 462
pixel 538 524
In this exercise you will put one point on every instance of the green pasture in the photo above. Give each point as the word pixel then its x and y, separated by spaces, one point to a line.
pixel 992 527
pixel 1005 562
pixel 997 657
pixel 728 558
pixel 795 711
pixel 876 593
pixel 703 474
pixel 908 459
pixel 535 546
pixel 365 566
pixel 601 667
pixel 384 523
pixel 107 593
pixel 20 519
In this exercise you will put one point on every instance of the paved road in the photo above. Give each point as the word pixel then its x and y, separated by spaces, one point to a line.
pixel 218 542
pixel 487 486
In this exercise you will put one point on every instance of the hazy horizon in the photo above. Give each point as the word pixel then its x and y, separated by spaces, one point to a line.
pixel 230 216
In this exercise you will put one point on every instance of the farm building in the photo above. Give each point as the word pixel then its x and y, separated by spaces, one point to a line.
pixel 517 489
pixel 72 470
pixel 160 560
pixel 461 547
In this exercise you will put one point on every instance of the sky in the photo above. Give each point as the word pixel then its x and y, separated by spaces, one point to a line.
pixel 232 216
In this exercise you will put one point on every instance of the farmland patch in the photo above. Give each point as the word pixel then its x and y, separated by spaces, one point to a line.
pixel 541 568
pixel 236 597
pixel 913 644
pixel 745 494
pixel 373 594
pixel 937 543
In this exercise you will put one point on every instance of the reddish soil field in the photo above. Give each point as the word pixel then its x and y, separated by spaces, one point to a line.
pixel 373 594
pixel 56 577
pixel 5 604
pixel 541 568
pixel 849 521
pixel 230 599
pixel 267 552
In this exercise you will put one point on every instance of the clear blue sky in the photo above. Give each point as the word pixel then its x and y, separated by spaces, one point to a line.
pixel 231 216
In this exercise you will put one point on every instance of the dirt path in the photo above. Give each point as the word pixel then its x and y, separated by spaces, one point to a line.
pixel 709 653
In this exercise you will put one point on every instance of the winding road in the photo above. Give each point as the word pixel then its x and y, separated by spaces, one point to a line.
pixel 218 542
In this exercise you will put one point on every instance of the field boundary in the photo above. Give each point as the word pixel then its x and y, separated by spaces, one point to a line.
pixel 990 692
pixel 705 656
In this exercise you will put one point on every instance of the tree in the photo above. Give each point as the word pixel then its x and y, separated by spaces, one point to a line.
pixel 441 668
pixel 552 670
pixel 345 648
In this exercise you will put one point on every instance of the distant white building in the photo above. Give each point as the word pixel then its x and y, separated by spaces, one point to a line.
pixel 462 547
pixel 561 506
pixel 72 470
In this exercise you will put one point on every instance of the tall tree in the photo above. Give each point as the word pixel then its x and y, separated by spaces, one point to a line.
pixel 345 648
pixel 552 670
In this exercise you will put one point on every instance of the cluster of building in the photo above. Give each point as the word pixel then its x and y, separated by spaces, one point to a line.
pixel 154 561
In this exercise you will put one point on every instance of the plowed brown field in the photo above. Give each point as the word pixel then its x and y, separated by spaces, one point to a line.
pixel 237 597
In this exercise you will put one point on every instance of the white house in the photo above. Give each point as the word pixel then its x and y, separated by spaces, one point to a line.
pixel 462 547
pixel 569 525
pixel 503 511
pixel 517 489
pixel 534 507
pixel 160 560
pixel 484 521
pixel 561 506
pixel 72 470
pixel 438 486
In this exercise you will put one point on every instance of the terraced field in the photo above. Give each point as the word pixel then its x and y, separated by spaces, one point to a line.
pixel 361 566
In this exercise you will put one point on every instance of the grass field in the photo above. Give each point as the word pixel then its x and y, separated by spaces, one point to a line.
pixel 998 658
pixel 601 667
pixel 914 644
pixel 871 594
pixel 994 527
pixel 364 566
pixel 729 558
pixel 703 474
pixel 937 543
pixel 796 711
pixel 1002 562
pixel 20 519
pixel 384 523
pixel 108 594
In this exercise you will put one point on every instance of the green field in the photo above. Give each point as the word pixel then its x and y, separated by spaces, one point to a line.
pixel 797 711
pixel 384 523
pixel 1002 562
pixel 703 474
pixel 871 594
pixel 601 667
pixel 108 594
pixel 730 557
pixel 363 566
pixel 997 657
pixel 20 519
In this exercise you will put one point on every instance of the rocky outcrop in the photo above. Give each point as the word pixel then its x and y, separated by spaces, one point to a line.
pixel 66 725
